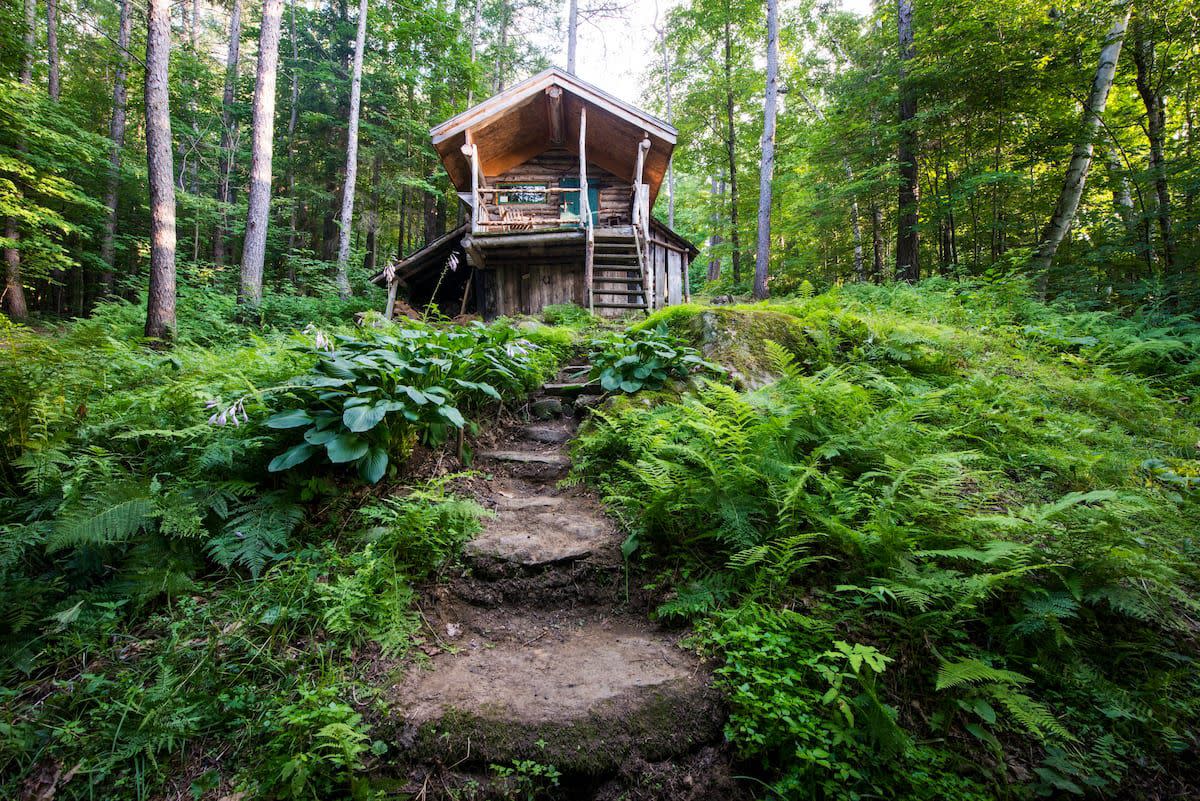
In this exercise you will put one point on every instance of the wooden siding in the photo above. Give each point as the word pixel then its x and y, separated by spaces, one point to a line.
pixel 551 168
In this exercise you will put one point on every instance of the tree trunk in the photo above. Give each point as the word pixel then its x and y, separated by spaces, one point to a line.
pixel 1121 194
pixel 572 34
pixel 731 153
pixel 1081 159
pixel 228 130
pixel 476 24
pixel 714 240
pixel 30 42
pixel 347 219
pixel 662 43
pixel 52 47
pixel 877 254
pixel 258 216
pixel 160 305
pixel 116 133
pixel 1144 58
pixel 498 78
pixel 293 115
pixel 766 165
pixel 908 266
pixel 373 216
pixel 13 297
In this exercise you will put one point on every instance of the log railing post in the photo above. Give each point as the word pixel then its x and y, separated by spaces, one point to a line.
pixel 585 208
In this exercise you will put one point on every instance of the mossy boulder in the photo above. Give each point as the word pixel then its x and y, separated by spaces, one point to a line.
pixel 735 336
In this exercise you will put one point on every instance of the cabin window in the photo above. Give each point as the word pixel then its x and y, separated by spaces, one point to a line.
pixel 522 194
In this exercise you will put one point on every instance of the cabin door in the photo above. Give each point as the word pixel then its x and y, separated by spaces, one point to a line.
pixel 571 199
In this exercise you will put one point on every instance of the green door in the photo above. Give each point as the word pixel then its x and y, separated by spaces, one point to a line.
pixel 571 199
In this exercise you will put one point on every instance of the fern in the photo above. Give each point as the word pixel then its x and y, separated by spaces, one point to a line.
pixel 256 534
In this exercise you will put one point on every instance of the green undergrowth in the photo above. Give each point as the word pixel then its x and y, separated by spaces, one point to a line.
pixel 946 549
pixel 175 618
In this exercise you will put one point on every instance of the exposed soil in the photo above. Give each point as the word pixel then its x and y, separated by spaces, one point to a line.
pixel 537 653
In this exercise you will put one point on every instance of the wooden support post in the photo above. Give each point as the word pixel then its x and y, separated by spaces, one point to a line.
pixel 554 111
pixel 471 151
pixel 585 209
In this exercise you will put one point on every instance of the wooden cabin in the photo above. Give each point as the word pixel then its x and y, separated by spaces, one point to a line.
pixel 557 180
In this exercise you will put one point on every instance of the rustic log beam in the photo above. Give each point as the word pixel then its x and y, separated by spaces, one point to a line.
pixel 554 112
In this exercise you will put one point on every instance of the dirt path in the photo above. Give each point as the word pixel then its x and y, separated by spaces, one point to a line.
pixel 542 661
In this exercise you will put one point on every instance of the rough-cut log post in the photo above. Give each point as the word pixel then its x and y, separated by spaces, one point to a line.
pixel 116 133
pixel 585 209
pixel 554 108
pixel 343 259
pixel 1081 159
pixel 160 304
pixel 471 151
pixel 254 249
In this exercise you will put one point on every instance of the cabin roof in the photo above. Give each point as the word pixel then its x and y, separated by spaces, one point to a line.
pixel 527 119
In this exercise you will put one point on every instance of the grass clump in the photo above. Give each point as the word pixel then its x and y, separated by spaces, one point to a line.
pixel 931 552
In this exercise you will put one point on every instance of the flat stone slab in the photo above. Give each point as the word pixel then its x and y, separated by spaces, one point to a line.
pixel 581 695
pixel 547 434
pixel 528 457
pixel 540 531
pixel 555 677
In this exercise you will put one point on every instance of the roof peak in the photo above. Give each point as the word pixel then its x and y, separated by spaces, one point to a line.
pixel 550 76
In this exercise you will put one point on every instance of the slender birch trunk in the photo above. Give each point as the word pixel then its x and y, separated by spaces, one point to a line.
pixel 160 304
pixel 116 133
pixel 343 259
pixel 258 215
pixel 572 34
pixel 908 266
pixel 662 43
pixel 766 166
pixel 1081 159
pixel 476 24
pixel 228 130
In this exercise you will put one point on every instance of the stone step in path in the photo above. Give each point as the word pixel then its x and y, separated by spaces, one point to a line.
pixel 534 653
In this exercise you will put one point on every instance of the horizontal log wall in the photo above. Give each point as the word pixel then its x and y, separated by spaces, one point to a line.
pixel 551 168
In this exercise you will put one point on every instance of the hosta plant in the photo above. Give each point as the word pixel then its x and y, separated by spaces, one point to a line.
pixel 643 359
pixel 369 399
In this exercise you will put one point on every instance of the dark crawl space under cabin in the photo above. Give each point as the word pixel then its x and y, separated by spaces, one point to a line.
pixel 558 180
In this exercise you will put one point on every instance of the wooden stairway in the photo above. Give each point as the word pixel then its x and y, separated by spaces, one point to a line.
pixel 618 272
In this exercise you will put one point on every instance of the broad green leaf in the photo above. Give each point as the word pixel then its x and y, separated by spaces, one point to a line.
pixel 363 418
pixel 291 457
pixel 345 448
pixel 293 418
pixel 372 466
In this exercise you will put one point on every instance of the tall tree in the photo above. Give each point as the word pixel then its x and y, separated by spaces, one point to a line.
pixel 228 130
pixel 572 34
pixel 116 132
pixel 1150 90
pixel 30 42
pixel 52 49
pixel 258 215
pixel 907 235
pixel 160 304
pixel 1081 157
pixel 666 57
pixel 731 148
pixel 347 218
pixel 766 167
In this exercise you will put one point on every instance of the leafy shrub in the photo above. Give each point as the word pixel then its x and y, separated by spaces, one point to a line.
pixel 568 315
pixel 643 359
pixel 370 396
pixel 982 515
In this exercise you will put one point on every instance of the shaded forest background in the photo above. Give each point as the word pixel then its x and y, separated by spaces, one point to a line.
pixel 995 93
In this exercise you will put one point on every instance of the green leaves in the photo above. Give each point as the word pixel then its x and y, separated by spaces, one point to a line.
pixel 369 401
pixel 645 359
